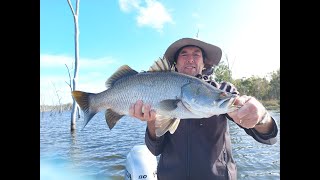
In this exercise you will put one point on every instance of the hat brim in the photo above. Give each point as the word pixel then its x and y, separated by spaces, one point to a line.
pixel 213 53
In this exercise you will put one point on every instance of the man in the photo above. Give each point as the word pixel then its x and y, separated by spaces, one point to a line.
pixel 201 148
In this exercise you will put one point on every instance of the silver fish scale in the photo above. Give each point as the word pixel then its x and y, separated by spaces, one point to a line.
pixel 150 87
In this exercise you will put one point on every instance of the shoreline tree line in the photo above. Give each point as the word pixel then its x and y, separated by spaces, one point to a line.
pixel 265 89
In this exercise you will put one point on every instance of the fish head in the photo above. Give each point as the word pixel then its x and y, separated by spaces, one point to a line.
pixel 222 103
pixel 206 100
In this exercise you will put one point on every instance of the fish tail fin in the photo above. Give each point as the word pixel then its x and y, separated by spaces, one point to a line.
pixel 166 124
pixel 82 99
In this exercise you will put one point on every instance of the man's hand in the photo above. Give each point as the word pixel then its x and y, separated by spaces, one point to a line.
pixel 251 112
pixel 142 111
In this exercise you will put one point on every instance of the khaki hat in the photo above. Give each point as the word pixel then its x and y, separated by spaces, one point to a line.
pixel 212 53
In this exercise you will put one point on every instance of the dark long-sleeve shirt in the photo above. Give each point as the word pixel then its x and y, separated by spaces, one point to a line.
pixel 200 149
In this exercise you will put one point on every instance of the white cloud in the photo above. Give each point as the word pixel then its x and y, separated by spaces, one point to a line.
pixel 54 76
pixel 53 85
pixel 154 14
pixel 127 5
pixel 47 60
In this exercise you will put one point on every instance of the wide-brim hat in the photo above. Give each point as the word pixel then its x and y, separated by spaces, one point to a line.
pixel 212 53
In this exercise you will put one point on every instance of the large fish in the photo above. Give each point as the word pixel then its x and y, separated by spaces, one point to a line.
pixel 172 95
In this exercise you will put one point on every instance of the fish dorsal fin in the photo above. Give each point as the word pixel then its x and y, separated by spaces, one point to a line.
pixel 122 72
pixel 162 64
pixel 112 118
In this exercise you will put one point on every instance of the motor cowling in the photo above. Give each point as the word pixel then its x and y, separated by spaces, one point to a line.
pixel 141 164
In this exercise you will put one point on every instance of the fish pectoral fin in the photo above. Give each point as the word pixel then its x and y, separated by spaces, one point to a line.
pixel 112 118
pixel 164 124
pixel 169 104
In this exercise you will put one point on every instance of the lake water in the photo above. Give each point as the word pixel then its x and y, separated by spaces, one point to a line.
pixel 100 154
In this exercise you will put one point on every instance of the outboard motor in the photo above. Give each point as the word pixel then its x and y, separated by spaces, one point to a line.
pixel 141 164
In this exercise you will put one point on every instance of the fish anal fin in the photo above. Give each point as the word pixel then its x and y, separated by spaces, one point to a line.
pixel 123 71
pixel 112 118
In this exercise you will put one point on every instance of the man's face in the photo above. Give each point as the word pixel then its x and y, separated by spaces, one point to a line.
pixel 190 61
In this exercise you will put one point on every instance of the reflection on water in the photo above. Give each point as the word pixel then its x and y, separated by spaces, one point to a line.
pixel 99 153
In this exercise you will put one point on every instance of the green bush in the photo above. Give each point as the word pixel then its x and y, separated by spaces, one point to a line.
pixel 271 104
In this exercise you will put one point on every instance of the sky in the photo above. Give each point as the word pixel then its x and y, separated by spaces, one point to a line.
pixel 137 32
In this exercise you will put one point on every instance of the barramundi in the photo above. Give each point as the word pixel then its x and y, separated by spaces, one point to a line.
pixel 172 95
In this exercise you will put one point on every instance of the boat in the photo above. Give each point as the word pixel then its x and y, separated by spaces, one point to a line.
pixel 141 164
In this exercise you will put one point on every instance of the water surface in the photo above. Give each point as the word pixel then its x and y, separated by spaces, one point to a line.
pixel 100 154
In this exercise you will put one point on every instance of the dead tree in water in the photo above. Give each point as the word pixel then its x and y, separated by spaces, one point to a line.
pixel 59 98
pixel 74 80
pixel 69 84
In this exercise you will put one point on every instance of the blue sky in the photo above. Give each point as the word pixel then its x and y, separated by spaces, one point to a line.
pixel 137 32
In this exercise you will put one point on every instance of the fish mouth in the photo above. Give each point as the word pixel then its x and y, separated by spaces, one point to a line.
pixel 228 103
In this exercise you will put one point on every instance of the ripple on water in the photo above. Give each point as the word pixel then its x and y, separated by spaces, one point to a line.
pixel 100 153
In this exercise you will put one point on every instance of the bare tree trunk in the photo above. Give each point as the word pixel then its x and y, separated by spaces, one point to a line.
pixel 69 84
pixel 75 77
pixel 59 98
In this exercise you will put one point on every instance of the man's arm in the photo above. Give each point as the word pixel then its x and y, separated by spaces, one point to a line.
pixel 265 138
pixel 264 126
pixel 255 120
pixel 252 116
pixel 154 144
pixel 144 113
